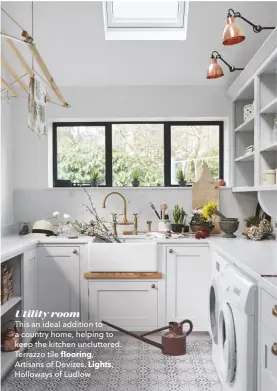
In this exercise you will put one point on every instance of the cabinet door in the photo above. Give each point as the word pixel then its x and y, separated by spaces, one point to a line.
pixel 58 280
pixel 29 288
pixel 269 361
pixel 188 274
pixel 131 304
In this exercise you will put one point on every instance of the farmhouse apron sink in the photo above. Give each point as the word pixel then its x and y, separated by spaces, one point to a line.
pixel 123 257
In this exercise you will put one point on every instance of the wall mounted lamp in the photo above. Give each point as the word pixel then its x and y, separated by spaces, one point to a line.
pixel 233 34
pixel 215 71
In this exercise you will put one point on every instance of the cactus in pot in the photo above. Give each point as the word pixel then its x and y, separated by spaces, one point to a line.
pixel 178 216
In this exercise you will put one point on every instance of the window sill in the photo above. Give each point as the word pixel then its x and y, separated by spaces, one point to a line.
pixel 122 188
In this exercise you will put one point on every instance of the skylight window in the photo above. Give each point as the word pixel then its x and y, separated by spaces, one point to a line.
pixel 145 20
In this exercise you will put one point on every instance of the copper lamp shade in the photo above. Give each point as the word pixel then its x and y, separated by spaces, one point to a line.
pixel 215 71
pixel 232 34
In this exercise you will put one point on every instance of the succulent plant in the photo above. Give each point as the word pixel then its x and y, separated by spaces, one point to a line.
pixel 252 220
pixel 178 214
pixel 180 175
pixel 136 175
pixel 94 175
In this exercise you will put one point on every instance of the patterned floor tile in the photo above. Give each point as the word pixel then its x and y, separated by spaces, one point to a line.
pixel 137 366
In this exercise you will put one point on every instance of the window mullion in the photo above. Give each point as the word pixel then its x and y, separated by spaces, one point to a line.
pixel 109 164
pixel 167 155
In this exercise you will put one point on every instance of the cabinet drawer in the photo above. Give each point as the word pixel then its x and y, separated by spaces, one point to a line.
pixel 269 361
pixel 196 251
pixel 124 303
pixel 269 312
pixel 59 251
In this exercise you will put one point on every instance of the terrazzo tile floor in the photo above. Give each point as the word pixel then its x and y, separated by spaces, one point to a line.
pixel 137 366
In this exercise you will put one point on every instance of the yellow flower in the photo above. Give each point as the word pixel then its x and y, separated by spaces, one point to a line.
pixel 208 210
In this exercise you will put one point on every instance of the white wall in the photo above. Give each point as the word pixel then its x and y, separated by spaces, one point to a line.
pixel 7 166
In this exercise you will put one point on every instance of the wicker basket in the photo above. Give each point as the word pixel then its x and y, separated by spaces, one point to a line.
pixel 6 283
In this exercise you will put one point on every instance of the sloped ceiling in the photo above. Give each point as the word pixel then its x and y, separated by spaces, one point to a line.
pixel 70 37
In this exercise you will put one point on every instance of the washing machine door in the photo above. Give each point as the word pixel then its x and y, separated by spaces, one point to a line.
pixel 227 344
pixel 214 310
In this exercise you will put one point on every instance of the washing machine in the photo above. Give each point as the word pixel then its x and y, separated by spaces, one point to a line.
pixel 218 265
pixel 236 354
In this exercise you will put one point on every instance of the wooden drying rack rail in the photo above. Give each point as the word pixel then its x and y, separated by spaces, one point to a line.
pixel 28 40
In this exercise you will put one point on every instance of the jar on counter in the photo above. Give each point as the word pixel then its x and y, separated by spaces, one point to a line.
pixel 269 177
pixel 164 226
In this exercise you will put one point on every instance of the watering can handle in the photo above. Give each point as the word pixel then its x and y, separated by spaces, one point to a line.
pixel 190 325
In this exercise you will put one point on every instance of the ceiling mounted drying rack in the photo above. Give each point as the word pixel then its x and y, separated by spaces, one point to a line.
pixel 27 40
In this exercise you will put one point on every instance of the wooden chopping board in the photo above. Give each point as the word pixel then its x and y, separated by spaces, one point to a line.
pixel 206 190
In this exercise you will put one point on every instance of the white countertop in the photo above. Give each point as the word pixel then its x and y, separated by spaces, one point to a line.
pixel 14 244
pixel 255 257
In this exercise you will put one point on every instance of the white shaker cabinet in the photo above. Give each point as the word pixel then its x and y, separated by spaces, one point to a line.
pixel 188 279
pixel 58 276
pixel 131 304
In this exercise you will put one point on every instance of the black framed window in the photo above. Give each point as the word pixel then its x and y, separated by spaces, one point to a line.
pixel 157 150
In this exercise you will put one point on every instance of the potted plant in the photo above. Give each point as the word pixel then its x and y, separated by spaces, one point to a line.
pixel 135 176
pixel 250 222
pixel 178 216
pixel 181 178
pixel 94 178
pixel 202 218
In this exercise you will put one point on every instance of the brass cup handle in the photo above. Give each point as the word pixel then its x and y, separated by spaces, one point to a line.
pixel 170 251
pixel 75 252
pixel 274 349
pixel 274 311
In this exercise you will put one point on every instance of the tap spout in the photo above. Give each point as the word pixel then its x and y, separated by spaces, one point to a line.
pixel 125 220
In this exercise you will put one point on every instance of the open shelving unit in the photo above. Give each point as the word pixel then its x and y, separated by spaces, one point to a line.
pixel 256 85
pixel 9 308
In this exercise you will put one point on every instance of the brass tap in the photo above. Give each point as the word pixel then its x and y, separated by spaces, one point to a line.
pixel 125 220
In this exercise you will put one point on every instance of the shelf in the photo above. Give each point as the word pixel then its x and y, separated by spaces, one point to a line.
pixel 269 148
pixel 270 108
pixel 8 359
pixel 10 304
pixel 244 189
pixel 249 157
pixel 267 188
pixel 246 126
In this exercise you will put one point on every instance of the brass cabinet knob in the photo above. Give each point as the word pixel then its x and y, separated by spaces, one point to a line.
pixel 170 251
pixel 153 286
pixel 75 252
pixel 274 311
pixel 274 349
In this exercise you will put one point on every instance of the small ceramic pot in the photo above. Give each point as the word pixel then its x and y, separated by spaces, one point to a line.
pixel 94 183
pixel 182 183
pixel 177 227
pixel 198 227
pixel 135 183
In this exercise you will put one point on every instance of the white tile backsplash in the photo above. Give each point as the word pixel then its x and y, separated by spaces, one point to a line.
pixel 32 205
